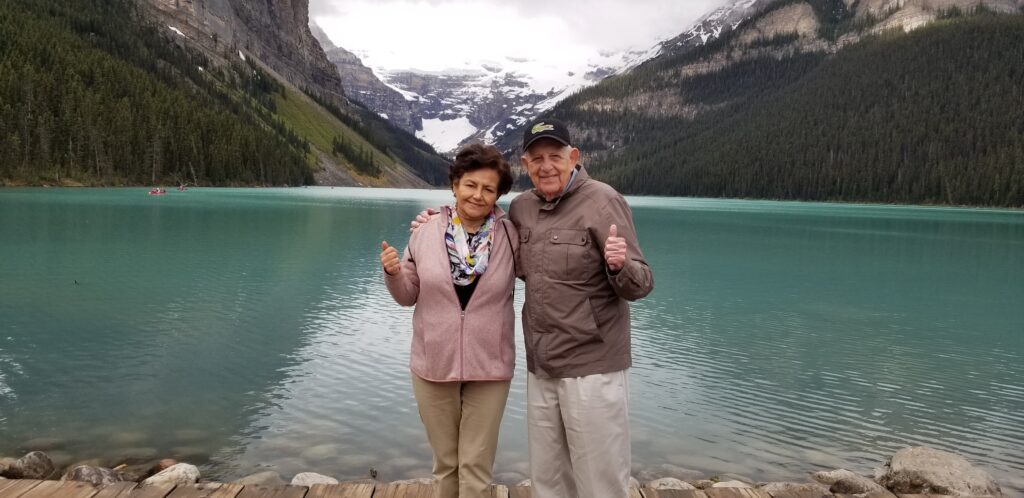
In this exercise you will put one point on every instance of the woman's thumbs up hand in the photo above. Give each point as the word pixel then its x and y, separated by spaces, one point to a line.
pixel 389 259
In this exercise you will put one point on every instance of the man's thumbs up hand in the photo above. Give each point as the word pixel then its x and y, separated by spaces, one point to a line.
pixel 615 250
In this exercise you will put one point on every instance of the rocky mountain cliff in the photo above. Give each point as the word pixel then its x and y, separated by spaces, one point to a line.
pixel 363 86
pixel 276 35
pixel 275 32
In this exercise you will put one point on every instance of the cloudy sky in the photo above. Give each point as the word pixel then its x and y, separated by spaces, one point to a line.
pixel 439 34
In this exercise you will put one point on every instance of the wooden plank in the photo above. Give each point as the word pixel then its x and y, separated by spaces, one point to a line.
pixel 341 490
pixel 672 493
pixel 635 493
pixel 4 483
pixel 405 491
pixel 262 491
pixel 63 489
pixel 18 487
pixel 207 490
pixel 152 491
pixel 736 493
pixel 116 490
pixel 519 492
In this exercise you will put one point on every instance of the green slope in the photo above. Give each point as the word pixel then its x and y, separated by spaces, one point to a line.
pixel 933 116
pixel 91 93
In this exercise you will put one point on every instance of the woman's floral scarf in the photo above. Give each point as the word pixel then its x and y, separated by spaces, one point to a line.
pixel 468 257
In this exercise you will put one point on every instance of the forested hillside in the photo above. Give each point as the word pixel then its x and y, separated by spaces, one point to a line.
pixel 93 93
pixel 931 116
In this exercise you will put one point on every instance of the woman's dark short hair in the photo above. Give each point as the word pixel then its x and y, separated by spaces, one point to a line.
pixel 477 156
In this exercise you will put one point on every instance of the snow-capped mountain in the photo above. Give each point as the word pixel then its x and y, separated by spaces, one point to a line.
pixel 483 100
pixel 487 99
pixel 713 25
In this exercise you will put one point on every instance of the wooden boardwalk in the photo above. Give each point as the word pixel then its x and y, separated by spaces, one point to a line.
pixel 25 488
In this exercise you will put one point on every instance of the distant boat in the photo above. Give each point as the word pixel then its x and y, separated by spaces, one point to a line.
pixel 157 191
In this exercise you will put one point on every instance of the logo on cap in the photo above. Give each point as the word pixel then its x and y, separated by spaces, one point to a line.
pixel 539 127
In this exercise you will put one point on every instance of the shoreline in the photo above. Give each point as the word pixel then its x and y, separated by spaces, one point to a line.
pixel 5 183
pixel 910 471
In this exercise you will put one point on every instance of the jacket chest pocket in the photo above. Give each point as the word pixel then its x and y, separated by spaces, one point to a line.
pixel 567 254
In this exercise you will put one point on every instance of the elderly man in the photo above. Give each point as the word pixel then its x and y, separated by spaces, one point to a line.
pixel 582 264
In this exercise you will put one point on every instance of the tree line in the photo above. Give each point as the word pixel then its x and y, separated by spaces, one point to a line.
pixel 933 116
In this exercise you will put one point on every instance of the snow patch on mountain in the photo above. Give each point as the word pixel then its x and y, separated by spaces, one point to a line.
pixel 445 135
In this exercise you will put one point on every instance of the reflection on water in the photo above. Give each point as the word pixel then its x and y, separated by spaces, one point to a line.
pixel 249 329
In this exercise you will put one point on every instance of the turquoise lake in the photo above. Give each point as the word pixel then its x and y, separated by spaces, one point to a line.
pixel 249 329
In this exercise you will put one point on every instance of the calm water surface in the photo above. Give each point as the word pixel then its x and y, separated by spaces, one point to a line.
pixel 246 330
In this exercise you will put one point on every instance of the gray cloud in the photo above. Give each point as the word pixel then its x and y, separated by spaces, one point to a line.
pixel 600 23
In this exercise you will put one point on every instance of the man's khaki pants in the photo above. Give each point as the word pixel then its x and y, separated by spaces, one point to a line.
pixel 462 420
pixel 579 436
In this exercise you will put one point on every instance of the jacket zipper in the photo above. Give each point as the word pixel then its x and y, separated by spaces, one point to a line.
pixel 462 312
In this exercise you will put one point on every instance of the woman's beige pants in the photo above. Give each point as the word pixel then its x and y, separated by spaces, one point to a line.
pixel 462 420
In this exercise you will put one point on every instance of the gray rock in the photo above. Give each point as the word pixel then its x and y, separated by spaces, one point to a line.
pixel 669 470
pixel 526 483
pixel 136 473
pixel 35 465
pixel 181 473
pixel 846 482
pixel 311 478
pixel 923 470
pixel 731 484
pixel 702 483
pixel 92 462
pixel 266 478
pixel 796 489
pixel 669 483
pixel 732 477
pixel 98 476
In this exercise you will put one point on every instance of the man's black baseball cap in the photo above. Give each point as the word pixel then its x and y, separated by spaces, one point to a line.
pixel 546 128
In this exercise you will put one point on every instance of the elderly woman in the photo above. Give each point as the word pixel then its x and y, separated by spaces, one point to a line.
pixel 458 270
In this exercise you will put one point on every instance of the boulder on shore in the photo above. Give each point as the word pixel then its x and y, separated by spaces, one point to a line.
pixel 846 482
pixel 181 473
pixel 923 470
pixel 311 478
pixel 97 476
pixel 35 465
pixel 796 489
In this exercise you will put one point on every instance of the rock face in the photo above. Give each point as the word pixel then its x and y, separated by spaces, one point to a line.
pixel 846 482
pixel 275 31
pixel 363 86
pixel 181 473
pixel 311 478
pixel 807 490
pixel 98 476
pixel 731 484
pixel 923 470
pixel 35 465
